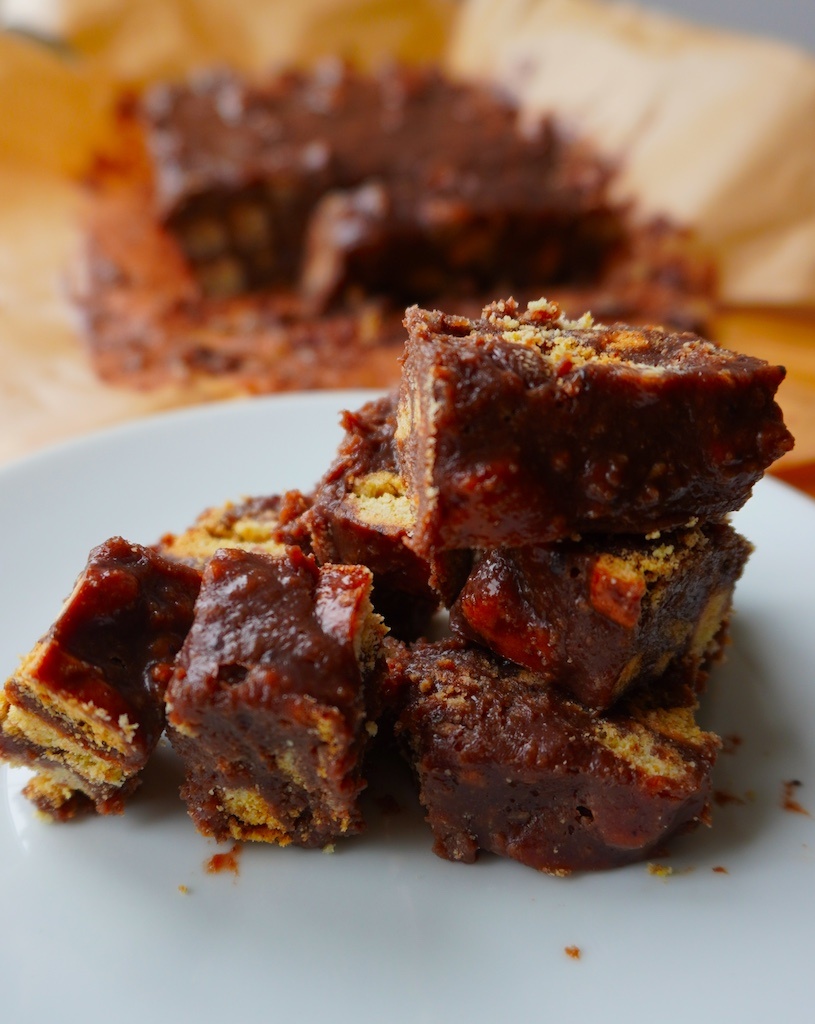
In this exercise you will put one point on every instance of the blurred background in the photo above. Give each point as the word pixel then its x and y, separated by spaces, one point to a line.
pixel 790 20
pixel 709 107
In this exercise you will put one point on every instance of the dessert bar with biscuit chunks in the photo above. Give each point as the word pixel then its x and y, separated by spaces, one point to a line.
pixel 361 515
pixel 402 183
pixel 268 705
pixel 85 708
pixel 523 427
pixel 270 523
pixel 604 615
pixel 509 766
pixel 267 235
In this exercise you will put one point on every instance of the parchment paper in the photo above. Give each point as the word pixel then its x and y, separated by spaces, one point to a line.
pixel 716 130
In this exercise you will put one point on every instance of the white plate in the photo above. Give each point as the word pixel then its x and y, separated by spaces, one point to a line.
pixel 94 926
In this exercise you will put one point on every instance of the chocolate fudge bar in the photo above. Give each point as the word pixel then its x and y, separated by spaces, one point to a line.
pixel 512 767
pixel 524 427
pixel 402 182
pixel 267 705
pixel 149 329
pixel 270 523
pixel 601 616
pixel 85 708
pixel 361 515
pixel 267 236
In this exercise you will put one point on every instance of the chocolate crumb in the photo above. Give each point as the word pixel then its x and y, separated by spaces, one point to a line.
pixel 788 802
pixel 220 862
pixel 731 743
pixel 722 798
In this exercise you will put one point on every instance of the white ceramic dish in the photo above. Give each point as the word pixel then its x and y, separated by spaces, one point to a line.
pixel 95 927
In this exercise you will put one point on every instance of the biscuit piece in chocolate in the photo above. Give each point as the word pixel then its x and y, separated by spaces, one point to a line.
pixel 523 427
pixel 271 523
pixel 518 769
pixel 603 615
pixel 268 706
pixel 85 708
pixel 361 515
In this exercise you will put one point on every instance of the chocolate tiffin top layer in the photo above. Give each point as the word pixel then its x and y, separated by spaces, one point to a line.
pixel 525 427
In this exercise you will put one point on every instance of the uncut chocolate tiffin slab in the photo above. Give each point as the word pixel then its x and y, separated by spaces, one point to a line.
pixel 85 708
pixel 513 767
pixel 268 706
pixel 603 615
pixel 267 235
pixel 361 515
pixel 523 427
pixel 402 182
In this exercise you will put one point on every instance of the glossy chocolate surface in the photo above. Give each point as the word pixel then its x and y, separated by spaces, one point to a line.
pixel 268 696
pixel 85 708
pixel 114 643
pixel 260 620
pixel 508 766
pixel 505 440
pixel 599 616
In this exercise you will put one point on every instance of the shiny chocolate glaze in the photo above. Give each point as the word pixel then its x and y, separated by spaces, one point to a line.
pixel 599 616
pixel 508 443
pixel 268 695
pixel 114 642
pixel 512 767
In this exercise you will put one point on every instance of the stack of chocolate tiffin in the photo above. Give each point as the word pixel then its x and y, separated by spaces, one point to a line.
pixel 562 487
